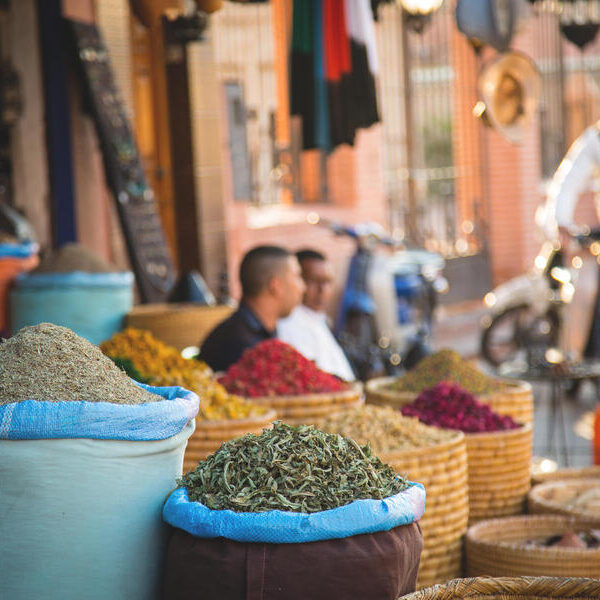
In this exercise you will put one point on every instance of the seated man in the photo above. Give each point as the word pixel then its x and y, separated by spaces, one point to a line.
pixel 306 328
pixel 271 288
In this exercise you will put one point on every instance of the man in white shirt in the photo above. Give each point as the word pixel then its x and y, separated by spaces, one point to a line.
pixel 306 328
pixel 575 175
pixel 571 179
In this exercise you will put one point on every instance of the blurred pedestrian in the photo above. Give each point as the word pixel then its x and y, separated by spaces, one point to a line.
pixel 306 328
pixel 271 288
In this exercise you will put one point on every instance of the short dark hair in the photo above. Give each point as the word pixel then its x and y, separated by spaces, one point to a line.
pixel 259 266
pixel 309 254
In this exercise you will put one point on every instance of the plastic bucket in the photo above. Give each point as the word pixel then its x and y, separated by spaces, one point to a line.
pixel 93 305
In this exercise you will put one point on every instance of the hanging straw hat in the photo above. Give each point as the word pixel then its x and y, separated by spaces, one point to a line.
pixel 510 88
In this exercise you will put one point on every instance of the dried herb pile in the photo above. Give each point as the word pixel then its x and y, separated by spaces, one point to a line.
pixel 147 359
pixel 51 363
pixel 447 365
pixel 274 368
pixel 384 429
pixel 298 469
pixel 73 257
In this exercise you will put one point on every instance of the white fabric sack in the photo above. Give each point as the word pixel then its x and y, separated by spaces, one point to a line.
pixel 81 518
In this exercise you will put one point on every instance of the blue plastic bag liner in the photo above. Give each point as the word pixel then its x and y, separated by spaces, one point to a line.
pixel 93 305
pixel 36 281
pixel 35 420
pixel 280 527
pixel 24 250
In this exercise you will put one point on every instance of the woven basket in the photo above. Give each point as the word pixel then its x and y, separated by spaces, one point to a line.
pixel 551 497
pixel 561 474
pixel 309 408
pixel 442 469
pixel 178 325
pixel 497 548
pixel 515 401
pixel 507 588
pixel 209 435
pixel 499 472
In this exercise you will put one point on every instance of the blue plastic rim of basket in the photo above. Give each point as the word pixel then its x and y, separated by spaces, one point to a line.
pixel 27 281
pixel 93 305
pixel 24 250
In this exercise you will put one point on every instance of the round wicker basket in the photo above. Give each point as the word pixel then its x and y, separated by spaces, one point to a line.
pixel 516 400
pixel 499 472
pixel 309 408
pixel 178 325
pixel 497 548
pixel 442 469
pixel 507 588
pixel 562 474
pixel 209 435
pixel 558 496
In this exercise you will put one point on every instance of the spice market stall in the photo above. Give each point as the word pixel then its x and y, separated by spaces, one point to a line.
pixel 275 375
pixel 73 288
pixel 498 448
pixel 222 416
pixel 88 457
pixel 291 514
pixel 436 458
pixel 506 397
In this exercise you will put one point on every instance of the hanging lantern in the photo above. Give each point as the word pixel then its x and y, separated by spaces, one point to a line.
pixel 491 22
pixel 421 7
pixel 418 13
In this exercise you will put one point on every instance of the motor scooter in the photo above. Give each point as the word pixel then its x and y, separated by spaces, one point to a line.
pixel 384 322
pixel 525 314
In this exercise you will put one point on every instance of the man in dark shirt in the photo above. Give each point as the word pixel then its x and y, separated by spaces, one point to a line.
pixel 272 286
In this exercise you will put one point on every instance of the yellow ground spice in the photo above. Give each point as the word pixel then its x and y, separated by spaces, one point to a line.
pixel 163 365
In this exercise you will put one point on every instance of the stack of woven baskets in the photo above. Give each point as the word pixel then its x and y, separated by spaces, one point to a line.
pixel 179 325
pixel 507 588
pixel 499 462
pixel 576 498
pixel 568 473
pixel 503 547
pixel 514 400
pixel 309 408
pixel 442 469
pixel 499 472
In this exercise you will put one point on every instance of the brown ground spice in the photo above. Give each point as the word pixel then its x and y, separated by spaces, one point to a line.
pixel 51 363
pixel 73 257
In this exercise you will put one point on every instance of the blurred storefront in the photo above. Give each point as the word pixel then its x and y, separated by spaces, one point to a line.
pixel 210 109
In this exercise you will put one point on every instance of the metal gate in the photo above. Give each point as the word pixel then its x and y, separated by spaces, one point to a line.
pixel 422 165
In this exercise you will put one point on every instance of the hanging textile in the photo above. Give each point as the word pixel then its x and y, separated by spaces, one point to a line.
pixel 338 70
pixel 333 68
pixel 363 47
pixel 322 137
pixel 303 97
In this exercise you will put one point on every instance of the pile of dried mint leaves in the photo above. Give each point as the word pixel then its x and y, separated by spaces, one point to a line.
pixel 51 363
pixel 299 469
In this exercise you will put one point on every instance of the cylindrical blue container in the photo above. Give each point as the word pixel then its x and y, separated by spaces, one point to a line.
pixel 93 305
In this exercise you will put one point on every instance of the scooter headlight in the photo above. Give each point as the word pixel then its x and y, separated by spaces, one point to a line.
pixel 561 275
pixel 490 299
